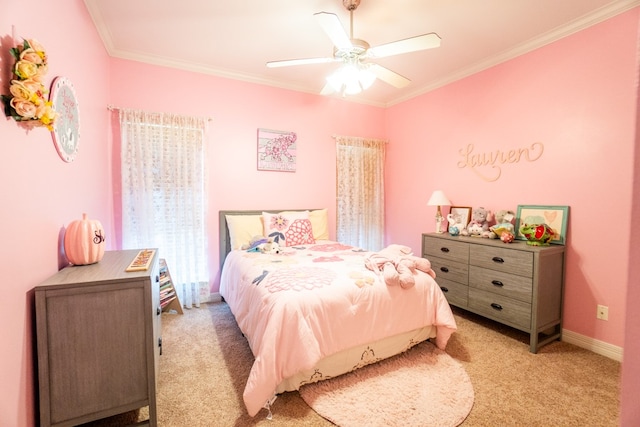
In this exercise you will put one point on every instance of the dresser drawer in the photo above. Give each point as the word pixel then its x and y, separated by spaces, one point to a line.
pixel 456 293
pixel 502 259
pixel 505 284
pixel 450 270
pixel 445 249
pixel 505 310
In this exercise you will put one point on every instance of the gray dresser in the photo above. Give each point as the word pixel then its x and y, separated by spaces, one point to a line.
pixel 515 284
pixel 98 341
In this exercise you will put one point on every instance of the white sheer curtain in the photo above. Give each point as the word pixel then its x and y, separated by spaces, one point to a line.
pixel 360 191
pixel 164 194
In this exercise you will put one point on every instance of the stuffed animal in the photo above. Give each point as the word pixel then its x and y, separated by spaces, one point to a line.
pixel 398 265
pixel 507 237
pixel 262 244
pixel 537 234
pixel 504 223
pixel 479 224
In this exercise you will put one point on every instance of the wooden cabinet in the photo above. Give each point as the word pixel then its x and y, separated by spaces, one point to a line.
pixel 98 341
pixel 515 284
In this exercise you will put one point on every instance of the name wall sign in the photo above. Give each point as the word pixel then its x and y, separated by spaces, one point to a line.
pixel 488 165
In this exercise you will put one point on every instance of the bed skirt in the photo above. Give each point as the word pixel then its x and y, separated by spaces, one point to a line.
pixel 356 357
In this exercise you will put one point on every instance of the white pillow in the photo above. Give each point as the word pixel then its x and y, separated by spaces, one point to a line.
pixel 320 224
pixel 242 228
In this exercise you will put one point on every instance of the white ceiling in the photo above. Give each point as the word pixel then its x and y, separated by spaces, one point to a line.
pixel 235 38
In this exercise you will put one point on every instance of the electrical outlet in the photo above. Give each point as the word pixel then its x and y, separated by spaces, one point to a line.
pixel 603 312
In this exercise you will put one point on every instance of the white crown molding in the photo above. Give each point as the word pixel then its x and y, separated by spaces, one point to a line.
pixel 600 15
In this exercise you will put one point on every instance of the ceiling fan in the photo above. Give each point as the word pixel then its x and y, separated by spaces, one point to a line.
pixel 357 72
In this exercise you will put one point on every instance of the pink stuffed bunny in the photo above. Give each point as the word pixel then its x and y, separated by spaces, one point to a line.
pixel 398 265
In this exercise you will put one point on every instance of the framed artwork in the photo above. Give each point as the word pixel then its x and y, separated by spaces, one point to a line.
pixel 276 150
pixel 462 214
pixel 66 127
pixel 555 217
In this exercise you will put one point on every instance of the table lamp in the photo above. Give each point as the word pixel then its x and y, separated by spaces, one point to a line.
pixel 439 199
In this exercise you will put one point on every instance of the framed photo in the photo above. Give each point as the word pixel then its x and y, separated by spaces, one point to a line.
pixel 276 150
pixel 555 217
pixel 462 214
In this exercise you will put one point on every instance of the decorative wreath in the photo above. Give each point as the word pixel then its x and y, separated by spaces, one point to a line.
pixel 28 102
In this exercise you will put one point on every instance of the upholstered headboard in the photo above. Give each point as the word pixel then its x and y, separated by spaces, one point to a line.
pixel 225 236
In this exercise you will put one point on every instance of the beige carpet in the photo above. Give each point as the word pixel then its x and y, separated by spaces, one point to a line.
pixel 206 361
pixel 422 387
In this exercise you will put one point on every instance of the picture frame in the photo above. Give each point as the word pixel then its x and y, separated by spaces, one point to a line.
pixel 276 150
pixel 464 213
pixel 556 217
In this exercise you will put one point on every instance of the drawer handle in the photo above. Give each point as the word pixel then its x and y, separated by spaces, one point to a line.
pixel 496 306
pixel 497 259
pixel 444 249
pixel 444 289
pixel 497 283
pixel 444 269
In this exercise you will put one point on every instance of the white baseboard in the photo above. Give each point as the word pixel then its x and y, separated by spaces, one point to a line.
pixel 215 297
pixel 600 347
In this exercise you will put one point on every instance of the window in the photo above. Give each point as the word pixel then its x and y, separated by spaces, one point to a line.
pixel 164 195
pixel 360 192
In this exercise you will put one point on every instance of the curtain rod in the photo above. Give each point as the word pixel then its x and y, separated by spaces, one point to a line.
pixel 386 141
pixel 114 108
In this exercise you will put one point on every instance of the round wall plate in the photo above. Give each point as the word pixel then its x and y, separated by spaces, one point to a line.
pixel 66 127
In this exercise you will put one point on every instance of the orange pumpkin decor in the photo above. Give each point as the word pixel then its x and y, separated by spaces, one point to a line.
pixel 84 241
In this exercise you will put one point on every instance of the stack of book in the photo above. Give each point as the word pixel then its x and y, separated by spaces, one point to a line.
pixel 167 291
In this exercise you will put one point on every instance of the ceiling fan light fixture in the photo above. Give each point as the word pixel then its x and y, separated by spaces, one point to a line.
pixel 351 78
pixel 357 72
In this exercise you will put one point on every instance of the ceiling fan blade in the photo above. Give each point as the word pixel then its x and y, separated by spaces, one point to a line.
pixel 302 61
pixel 412 44
pixel 334 29
pixel 388 76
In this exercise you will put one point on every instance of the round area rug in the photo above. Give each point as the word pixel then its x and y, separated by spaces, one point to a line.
pixel 422 387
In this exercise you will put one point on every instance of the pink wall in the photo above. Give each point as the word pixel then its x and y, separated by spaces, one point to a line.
pixel 40 193
pixel 581 107
pixel 237 110
pixel 576 96
pixel 630 413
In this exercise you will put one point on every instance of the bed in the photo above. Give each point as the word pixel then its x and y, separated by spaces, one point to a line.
pixel 318 308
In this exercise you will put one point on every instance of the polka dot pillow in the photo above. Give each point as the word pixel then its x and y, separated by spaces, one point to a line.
pixel 288 228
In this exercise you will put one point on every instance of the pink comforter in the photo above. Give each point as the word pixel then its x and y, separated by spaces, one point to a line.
pixel 312 301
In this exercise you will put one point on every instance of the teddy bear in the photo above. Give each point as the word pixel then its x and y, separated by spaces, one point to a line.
pixel 504 224
pixel 265 245
pixel 479 224
pixel 398 265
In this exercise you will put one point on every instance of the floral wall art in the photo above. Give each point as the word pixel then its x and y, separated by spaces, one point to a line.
pixel 276 150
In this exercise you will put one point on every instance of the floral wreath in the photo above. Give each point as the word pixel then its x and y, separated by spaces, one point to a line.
pixel 28 102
